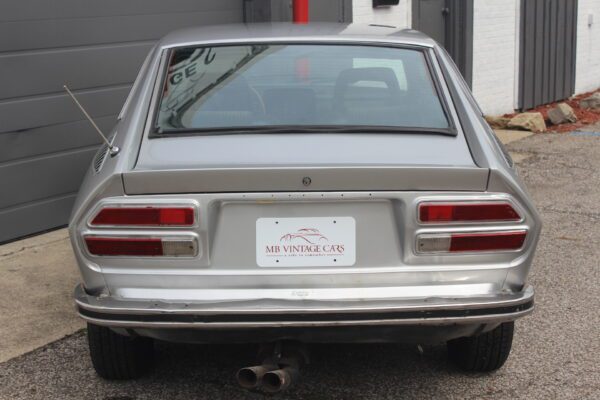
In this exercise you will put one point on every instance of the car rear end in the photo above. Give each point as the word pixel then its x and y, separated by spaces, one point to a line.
pixel 243 260
pixel 220 230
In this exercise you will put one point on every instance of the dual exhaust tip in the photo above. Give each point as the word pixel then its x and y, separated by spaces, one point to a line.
pixel 270 378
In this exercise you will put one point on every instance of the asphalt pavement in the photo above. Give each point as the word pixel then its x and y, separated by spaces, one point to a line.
pixel 556 351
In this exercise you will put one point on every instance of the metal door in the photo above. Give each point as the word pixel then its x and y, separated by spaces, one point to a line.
pixel 430 18
pixel 450 23
pixel 548 46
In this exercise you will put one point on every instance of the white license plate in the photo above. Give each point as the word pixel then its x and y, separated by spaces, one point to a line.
pixel 306 242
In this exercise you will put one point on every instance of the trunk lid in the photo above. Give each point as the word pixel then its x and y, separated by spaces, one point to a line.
pixel 281 162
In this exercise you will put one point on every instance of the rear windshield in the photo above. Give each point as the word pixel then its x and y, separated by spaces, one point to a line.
pixel 298 85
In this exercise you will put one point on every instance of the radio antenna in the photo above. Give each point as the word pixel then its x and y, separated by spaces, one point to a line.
pixel 114 150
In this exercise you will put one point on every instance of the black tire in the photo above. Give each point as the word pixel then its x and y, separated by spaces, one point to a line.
pixel 485 352
pixel 119 357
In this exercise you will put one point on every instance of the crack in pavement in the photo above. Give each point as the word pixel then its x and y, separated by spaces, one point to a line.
pixel 22 249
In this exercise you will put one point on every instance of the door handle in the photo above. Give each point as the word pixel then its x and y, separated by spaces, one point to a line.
pixel 445 11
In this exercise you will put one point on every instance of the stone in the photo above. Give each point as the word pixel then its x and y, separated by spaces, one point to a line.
pixel 509 136
pixel 529 121
pixel 497 122
pixel 592 101
pixel 562 114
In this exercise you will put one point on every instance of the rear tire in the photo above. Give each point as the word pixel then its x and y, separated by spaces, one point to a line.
pixel 485 352
pixel 116 356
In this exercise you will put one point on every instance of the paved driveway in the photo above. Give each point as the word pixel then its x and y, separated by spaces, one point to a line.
pixel 556 352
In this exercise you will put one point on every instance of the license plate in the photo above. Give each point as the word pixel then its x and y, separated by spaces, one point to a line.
pixel 306 242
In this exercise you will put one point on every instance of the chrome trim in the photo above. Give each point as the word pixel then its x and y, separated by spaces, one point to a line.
pixel 108 306
pixel 240 325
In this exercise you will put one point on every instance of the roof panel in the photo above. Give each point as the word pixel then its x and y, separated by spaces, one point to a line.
pixel 235 33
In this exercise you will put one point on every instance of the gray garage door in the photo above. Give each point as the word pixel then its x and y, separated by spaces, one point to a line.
pixel 96 46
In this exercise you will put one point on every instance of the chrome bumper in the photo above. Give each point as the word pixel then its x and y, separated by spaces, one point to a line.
pixel 268 313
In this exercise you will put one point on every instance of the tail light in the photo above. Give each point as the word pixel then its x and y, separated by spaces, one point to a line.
pixel 471 242
pixel 469 212
pixel 440 213
pixel 141 246
pixel 144 216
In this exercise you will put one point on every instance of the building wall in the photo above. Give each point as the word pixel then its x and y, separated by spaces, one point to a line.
pixel 495 54
pixel 281 11
pixel 97 47
pixel 400 15
pixel 495 46
pixel 587 76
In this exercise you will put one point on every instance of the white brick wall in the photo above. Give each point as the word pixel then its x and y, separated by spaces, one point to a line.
pixel 495 54
pixel 588 47
pixel 400 15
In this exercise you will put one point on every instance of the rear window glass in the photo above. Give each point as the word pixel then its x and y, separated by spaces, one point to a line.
pixel 271 85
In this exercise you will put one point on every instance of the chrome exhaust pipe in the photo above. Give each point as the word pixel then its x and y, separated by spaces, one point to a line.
pixel 279 379
pixel 252 377
pixel 280 367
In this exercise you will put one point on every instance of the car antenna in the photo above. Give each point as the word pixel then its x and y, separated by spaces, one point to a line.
pixel 114 150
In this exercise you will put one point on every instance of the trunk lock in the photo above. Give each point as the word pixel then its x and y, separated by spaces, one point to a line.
pixel 306 181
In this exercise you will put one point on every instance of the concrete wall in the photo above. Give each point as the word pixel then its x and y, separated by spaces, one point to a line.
pixel 587 77
pixel 400 15
pixel 495 54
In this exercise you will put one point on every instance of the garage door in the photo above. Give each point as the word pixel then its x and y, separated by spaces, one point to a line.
pixel 96 46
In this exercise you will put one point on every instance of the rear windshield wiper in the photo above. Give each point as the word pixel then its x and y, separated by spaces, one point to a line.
pixel 272 129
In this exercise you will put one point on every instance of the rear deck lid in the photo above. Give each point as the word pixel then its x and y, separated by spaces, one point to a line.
pixel 281 162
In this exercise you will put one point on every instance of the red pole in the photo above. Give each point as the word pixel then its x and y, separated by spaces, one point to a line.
pixel 301 11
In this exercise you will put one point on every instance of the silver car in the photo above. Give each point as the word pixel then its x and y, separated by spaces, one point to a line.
pixel 286 184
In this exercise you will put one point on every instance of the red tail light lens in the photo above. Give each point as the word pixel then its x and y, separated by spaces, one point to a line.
pixel 140 246
pixel 144 216
pixel 487 241
pixel 436 213
pixel 102 246
pixel 471 242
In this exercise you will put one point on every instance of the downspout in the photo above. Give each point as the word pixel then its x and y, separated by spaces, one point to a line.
pixel 300 9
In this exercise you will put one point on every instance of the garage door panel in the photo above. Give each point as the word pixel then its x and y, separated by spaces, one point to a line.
pixel 58 109
pixel 52 139
pixel 44 34
pixel 44 9
pixel 46 72
pixel 97 47
pixel 45 177
pixel 36 217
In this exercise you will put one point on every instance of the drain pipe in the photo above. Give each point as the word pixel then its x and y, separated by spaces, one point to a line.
pixel 300 9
